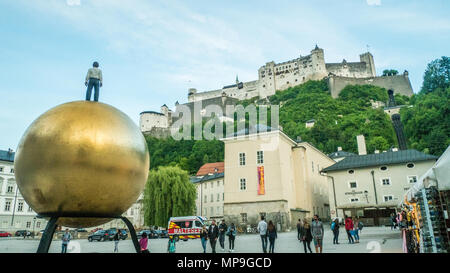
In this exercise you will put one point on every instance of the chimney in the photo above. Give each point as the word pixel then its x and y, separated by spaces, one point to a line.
pixel 299 139
pixel 398 127
pixel 339 148
pixel 361 141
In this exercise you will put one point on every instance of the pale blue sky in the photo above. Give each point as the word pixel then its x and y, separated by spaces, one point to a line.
pixel 151 52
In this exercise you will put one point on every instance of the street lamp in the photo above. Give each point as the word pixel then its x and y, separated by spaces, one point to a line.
pixel 34 223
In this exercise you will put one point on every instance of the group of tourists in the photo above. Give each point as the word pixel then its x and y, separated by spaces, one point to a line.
pixel 307 232
pixel 268 232
pixel 396 220
pixel 353 227
pixel 215 232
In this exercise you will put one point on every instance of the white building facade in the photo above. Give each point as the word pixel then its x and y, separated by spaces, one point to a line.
pixel 15 213
pixel 210 195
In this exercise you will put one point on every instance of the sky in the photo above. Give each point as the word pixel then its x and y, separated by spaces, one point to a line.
pixel 152 52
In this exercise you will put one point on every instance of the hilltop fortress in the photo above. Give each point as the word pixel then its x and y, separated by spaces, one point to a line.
pixel 273 77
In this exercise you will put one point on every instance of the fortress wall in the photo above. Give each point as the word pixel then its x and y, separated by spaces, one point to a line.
pixel 399 83
pixel 147 121
pixel 356 70
pixel 161 133
pixel 205 95
pixel 222 102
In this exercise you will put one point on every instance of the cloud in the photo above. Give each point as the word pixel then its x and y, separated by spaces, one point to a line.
pixel 373 2
pixel 73 2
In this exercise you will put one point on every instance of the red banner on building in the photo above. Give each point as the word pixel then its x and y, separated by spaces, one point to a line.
pixel 261 182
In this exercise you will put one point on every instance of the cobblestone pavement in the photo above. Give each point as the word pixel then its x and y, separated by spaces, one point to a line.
pixel 372 239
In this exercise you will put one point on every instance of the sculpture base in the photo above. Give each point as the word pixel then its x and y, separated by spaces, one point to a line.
pixel 47 236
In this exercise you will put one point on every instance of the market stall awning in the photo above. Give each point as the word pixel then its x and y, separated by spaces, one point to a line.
pixel 438 175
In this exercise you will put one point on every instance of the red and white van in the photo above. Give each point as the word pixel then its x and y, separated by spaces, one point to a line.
pixel 185 227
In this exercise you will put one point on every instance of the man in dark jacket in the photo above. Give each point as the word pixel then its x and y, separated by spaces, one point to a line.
pixel 213 234
pixel 222 230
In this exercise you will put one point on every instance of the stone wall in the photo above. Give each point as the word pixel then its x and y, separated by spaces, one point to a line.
pixel 275 211
pixel 158 132
pixel 399 83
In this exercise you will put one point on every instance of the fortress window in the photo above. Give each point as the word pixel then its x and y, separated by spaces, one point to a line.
pixel 287 82
pixel 264 85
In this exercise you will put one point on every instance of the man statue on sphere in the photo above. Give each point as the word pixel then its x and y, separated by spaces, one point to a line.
pixel 93 79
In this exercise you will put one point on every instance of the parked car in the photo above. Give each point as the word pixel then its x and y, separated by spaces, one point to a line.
pixel 161 233
pixel 99 235
pixel 22 233
pixel 148 232
pixel 110 233
pixel 81 230
pixel 5 234
pixel 123 234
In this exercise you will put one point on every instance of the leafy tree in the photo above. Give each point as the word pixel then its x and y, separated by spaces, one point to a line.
pixel 189 155
pixel 378 143
pixel 427 123
pixel 168 193
pixel 390 72
pixel 437 75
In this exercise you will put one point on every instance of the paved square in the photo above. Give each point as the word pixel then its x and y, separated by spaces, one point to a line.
pixel 372 239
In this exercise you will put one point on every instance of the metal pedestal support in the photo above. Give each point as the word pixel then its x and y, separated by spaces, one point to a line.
pixel 47 236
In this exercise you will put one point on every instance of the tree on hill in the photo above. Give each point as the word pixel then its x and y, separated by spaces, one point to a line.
pixel 437 75
pixel 338 121
pixel 390 72
pixel 187 154
pixel 427 123
pixel 168 193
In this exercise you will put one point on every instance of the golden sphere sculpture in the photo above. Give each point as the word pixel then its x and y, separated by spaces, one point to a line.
pixel 82 158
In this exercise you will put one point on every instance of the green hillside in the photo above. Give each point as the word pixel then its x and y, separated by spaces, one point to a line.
pixel 338 121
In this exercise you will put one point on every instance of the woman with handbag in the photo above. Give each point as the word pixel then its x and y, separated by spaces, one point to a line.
pixel 305 235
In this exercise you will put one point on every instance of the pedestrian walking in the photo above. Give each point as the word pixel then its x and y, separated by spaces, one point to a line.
pixel 348 229
pixel 222 230
pixel 143 242
pixel 65 240
pixel 231 232
pixel 356 229
pixel 299 227
pixel 393 221
pixel 213 234
pixel 94 79
pixel 116 241
pixel 305 235
pixel 262 229
pixel 171 245
pixel 317 233
pixel 272 233
pixel 335 229
pixel 204 237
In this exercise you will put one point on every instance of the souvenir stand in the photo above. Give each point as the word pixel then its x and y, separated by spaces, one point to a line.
pixel 426 226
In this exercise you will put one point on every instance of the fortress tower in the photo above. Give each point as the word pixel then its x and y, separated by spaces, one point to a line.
pixel 367 58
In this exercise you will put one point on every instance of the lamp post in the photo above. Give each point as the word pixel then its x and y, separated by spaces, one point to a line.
pixel 367 197
pixel 14 207
pixel 34 223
